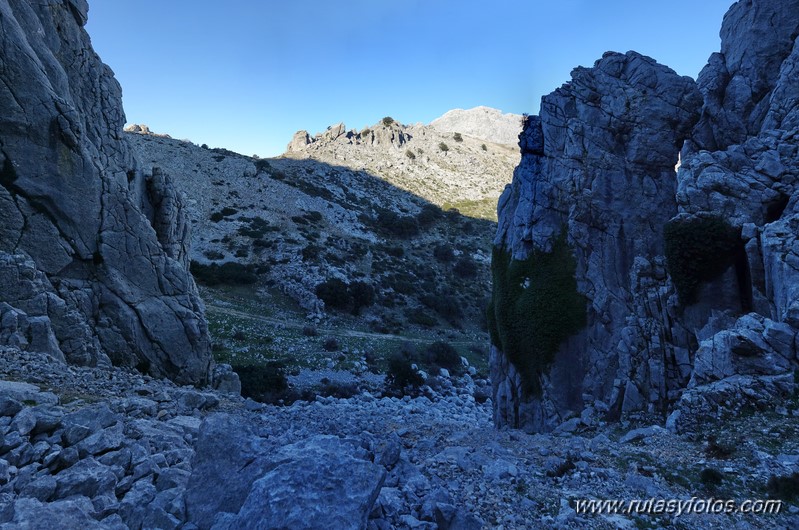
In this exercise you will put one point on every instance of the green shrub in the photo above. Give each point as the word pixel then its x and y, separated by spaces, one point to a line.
pixel 400 374
pixel 334 293
pixel 388 120
pixel 229 273
pixel 262 383
pixel 420 317
pixel 331 344
pixel 445 305
pixel 483 147
pixel 392 223
pixel 444 253
pixel 457 137
pixel 465 267
pixel 443 147
pixel 698 250
pixel 362 295
pixel 429 214
pixel 338 294
pixel 534 307
pixel 711 477
pixel 442 354
pixel 785 487
pixel 410 154
pixel 364 133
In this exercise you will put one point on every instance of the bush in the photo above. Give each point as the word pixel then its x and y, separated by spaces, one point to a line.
pixel 483 147
pixel 443 147
pixel 444 253
pixel 392 223
pixel 400 373
pixel 388 120
pixel 711 477
pixel 420 317
pixel 785 487
pixel 264 383
pixel 230 273
pixel 534 307
pixel 341 295
pixel 362 294
pixel 410 154
pixel 364 133
pixel 331 344
pixel 698 250
pixel 309 331
pixel 445 305
pixel 334 293
pixel 443 355
pixel 429 214
pixel 457 137
pixel 465 268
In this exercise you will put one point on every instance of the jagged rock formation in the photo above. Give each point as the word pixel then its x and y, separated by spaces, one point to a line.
pixel 484 123
pixel 689 277
pixel 92 250
pixel 467 172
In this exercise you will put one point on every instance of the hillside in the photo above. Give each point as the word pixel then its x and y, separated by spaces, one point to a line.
pixel 267 233
pixel 483 123
pixel 449 169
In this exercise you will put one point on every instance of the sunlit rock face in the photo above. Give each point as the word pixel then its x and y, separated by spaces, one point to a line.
pixel 91 247
pixel 690 278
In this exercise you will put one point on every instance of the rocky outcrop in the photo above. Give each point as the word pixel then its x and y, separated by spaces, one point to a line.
pixel 484 123
pixel 689 277
pixel 88 242
pixel 596 166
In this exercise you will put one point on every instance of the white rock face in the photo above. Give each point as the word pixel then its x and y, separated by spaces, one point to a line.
pixel 483 123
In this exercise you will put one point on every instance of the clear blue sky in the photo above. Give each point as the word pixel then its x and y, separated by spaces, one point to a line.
pixel 247 74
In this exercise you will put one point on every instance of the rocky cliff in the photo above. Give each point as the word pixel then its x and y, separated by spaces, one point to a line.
pixel 92 250
pixel 682 298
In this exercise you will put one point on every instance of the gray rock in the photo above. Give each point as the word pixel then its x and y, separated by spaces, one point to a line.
pixel 224 443
pixel 102 441
pixel 87 477
pixel 642 433
pixel 92 249
pixel 314 484
pixel 32 514
pixel 9 406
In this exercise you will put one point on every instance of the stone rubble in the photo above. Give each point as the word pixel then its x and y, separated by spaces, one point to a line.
pixel 109 448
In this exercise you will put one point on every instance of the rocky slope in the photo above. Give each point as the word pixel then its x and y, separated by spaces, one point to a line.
pixel 449 169
pixel 681 297
pixel 94 448
pixel 93 256
pixel 483 123
pixel 296 223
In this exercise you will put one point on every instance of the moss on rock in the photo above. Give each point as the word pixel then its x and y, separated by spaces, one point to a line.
pixel 698 250
pixel 534 308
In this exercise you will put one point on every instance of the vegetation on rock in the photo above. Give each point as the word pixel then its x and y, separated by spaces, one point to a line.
pixel 698 250
pixel 534 307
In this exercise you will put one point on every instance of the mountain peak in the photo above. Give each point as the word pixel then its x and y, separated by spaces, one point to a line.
pixel 481 122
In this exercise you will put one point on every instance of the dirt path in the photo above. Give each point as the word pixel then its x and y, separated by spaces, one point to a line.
pixel 330 331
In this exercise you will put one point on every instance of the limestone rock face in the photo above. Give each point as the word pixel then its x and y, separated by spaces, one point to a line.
pixel 665 336
pixel 740 84
pixel 598 165
pixel 101 245
pixel 484 123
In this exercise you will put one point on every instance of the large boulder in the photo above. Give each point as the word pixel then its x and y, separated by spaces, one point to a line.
pixel 103 245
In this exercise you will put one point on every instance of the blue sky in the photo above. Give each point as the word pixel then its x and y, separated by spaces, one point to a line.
pixel 247 74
